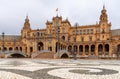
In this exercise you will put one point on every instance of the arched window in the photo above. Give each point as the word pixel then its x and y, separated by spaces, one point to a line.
pixel 63 38
pixel 10 49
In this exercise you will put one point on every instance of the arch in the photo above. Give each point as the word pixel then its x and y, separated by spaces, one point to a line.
pixel 63 38
pixel 63 52
pixel 70 48
pixel 81 49
pixel 100 49
pixel 92 49
pixel 118 48
pixel 50 48
pixel 106 49
pixel 86 49
pixel 31 49
pixel 40 46
pixel 75 48
pixel 64 56
pixel 16 48
pixel 5 48
pixel 118 51
pixel 16 55
pixel 20 48
pixel 10 49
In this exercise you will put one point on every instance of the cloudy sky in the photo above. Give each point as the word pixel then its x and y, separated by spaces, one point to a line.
pixel 85 12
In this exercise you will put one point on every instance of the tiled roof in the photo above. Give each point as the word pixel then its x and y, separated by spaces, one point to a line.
pixel 11 38
pixel 115 32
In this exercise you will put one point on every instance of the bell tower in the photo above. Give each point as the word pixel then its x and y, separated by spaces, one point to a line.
pixel 105 27
pixel 26 28
pixel 103 16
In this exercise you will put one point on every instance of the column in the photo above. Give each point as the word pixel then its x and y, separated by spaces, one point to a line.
pixel 78 50
pixel 96 51
pixel 83 49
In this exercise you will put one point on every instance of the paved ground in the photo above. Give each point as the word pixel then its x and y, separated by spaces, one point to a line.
pixel 59 69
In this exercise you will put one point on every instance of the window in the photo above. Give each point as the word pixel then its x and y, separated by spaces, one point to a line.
pixel 81 32
pixel 103 31
pixel 82 39
pixel 91 31
pixel 77 31
pixel 50 48
pixel 84 31
pixel 73 31
pixel 87 31
pixel 90 38
pixel 98 30
pixel 63 30
pixel 103 36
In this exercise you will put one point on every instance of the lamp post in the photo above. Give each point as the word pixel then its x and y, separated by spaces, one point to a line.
pixel 3 51
pixel 58 37
pixel 75 48
pixel 14 44
pixel 68 44
pixel 3 42
pixel 37 34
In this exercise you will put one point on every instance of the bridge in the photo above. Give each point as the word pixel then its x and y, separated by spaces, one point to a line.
pixel 15 54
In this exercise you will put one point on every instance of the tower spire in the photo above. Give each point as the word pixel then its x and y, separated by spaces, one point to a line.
pixel 103 16
pixel 27 19
pixel 104 7
pixel 26 23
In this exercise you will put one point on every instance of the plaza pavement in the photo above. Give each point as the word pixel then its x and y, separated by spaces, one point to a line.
pixel 59 69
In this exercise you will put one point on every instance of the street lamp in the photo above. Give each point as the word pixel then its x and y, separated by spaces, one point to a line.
pixel 68 44
pixel 3 51
pixel 75 48
pixel 14 44
pixel 37 34
pixel 58 37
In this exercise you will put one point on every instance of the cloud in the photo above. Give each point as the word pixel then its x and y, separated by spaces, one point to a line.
pixel 85 12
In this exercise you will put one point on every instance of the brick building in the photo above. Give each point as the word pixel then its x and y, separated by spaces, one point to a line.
pixel 61 40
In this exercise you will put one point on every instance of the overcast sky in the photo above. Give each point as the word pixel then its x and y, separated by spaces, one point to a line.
pixel 85 12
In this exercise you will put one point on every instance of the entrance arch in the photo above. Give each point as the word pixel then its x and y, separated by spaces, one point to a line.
pixel 92 49
pixel 64 55
pixel 100 49
pixel 40 46
pixel 81 49
pixel 10 49
pixel 118 48
pixel 118 51
pixel 5 48
pixel 86 49
pixel 106 49
pixel 16 55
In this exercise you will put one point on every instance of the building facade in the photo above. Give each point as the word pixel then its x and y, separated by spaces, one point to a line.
pixel 61 40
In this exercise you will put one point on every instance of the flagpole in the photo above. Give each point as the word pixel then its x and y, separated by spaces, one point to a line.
pixel 57 11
